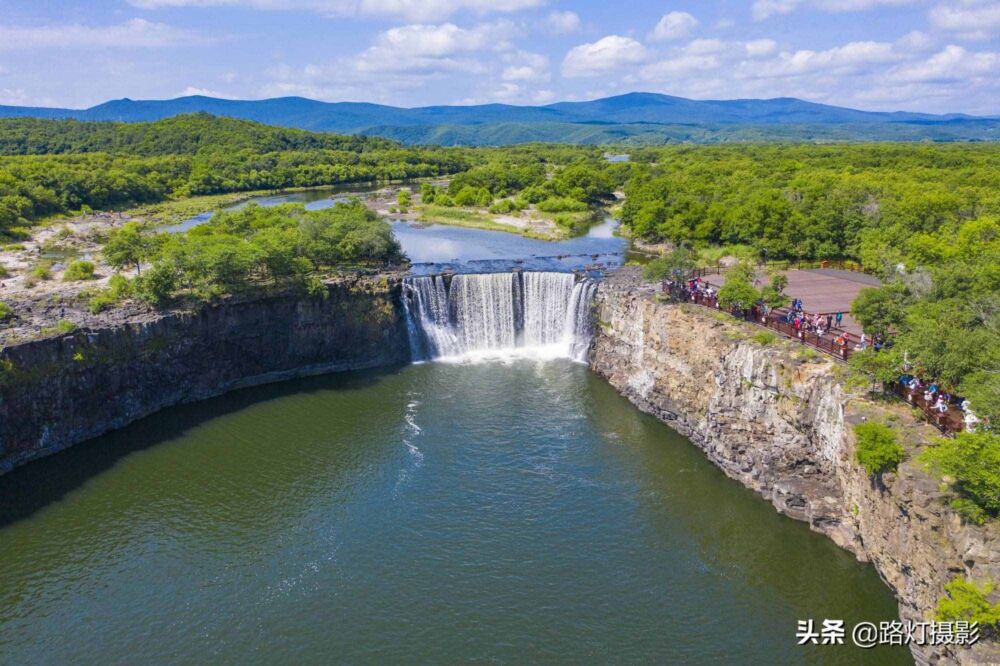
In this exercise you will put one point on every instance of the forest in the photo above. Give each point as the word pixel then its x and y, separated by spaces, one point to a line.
pixel 51 167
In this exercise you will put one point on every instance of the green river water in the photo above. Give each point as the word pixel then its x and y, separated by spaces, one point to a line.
pixel 499 512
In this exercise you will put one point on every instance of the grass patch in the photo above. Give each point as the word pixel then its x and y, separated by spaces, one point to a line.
pixel 42 271
pixel 62 327
pixel 765 338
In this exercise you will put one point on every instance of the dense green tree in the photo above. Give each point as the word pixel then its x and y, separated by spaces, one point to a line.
pixel 126 246
pixel 674 265
pixel 880 309
pixel 738 290
pixel 972 460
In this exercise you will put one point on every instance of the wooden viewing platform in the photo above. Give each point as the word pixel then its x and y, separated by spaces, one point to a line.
pixel 838 343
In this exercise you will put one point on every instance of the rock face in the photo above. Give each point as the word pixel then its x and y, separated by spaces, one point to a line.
pixel 60 391
pixel 777 418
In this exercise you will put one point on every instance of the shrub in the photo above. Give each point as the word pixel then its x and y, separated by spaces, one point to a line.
pixel 676 265
pixel 78 270
pixel 737 292
pixel 561 205
pixel 566 221
pixel 62 327
pixel 972 459
pixel 101 302
pixel 403 199
pixel 877 449
pixel 473 196
pixel 765 338
pixel 6 312
pixel 156 285
pixel 4 272
pixel 964 601
pixel 773 297
pixel 506 206
pixel 119 286
pixel 877 366
pixel 969 510
pixel 41 272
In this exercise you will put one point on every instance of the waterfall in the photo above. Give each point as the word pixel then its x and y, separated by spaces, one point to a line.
pixel 499 315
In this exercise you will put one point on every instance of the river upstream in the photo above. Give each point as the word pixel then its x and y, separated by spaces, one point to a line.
pixel 506 507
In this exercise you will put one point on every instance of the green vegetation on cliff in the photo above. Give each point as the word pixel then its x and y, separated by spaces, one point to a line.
pixel 971 461
pixel 876 447
pixel 965 601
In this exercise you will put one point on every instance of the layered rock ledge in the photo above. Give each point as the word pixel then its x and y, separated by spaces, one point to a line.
pixel 61 390
pixel 777 417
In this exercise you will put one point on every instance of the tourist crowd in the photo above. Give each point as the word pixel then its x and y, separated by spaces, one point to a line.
pixel 825 330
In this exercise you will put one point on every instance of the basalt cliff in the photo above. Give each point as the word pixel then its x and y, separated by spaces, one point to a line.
pixel 58 391
pixel 777 417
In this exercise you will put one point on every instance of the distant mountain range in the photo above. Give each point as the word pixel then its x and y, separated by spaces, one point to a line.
pixel 634 117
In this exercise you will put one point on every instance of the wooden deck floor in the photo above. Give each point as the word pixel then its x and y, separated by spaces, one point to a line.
pixel 822 290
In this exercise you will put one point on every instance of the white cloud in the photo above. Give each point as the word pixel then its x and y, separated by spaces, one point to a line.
pixel 951 65
pixel 135 33
pixel 524 66
pixel 405 59
pixel 602 56
pixel 760 47
pixel 839 59
pixel 432 48
pixel 674 26
pixel 915 42
pixel 563 23
pixel 204 92
pixel 418 10
pixel 511 93
pixel 704 46
pixel 424 9
pixel 681 64
pixel 763 9
pixel 970 19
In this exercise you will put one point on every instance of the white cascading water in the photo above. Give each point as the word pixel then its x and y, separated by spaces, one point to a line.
pixel 544 315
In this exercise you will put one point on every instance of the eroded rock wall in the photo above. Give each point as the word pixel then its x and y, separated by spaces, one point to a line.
pixel 777 418
pixel 59 391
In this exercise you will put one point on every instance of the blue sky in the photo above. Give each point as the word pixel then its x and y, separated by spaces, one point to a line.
pixel 922 55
